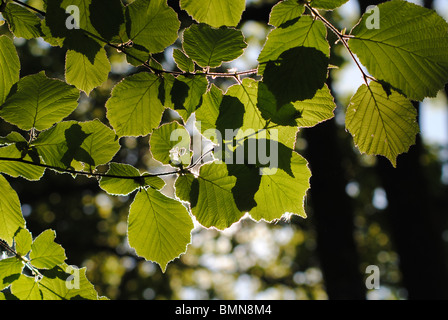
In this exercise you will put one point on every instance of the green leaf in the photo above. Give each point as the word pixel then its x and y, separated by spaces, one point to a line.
pixel 26 288
pixel 212 201
pixel 170 144
pixel 306 113
pixel 12 138
pixel 408 50
pixel 246 96
pixel 83 74
pixel 81 35
pixel 207 114
pixel 66 283
pixel 39 102
pixel 9 67
pixel 77 144
pixel 16 169
pixel 306 32
pixel 282 190
pixel 119 186
pixel 159 228
pixel 23 241
pixel 22 22
pixel 183 186
pixel 10 270
pixel 215 13
pixel 183 62
pixel 45 253
pixel 285 11
pixel 294 60
pixel 210 47
pixel 134 108
pixel 186 94
pixel 380 122
pixel 11 217
pixel 327 4
pixel 151 24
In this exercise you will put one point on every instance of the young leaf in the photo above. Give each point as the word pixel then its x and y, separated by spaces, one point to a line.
pixel 183 62
pixel 22 22
pixel 83 74
pixel 117 186
pixel 45 253
pixel 10 270
pixel 39 102
pixel 159 228
pixel 408 50
pixel 212 201
pixel 215 13
pixel 170 144
pixel 134 108
pixel 380 122
pixel 210 47
pixel 285 11
pixel 9 67
pixel 26 288
pixel 11 217
pixel 151 24
pixel 327 4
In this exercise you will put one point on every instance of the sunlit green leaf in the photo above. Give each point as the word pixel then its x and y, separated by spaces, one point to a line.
pixel 66 283
pixel 159 228
pixel 282 190
pixel 135 109
pixel 151 24
pixel 183 62
pixel 210 47
pixel 11 218
pixel 22 22
pixel 186 94
pixel 120 186
pixel 215 13
pixel 80 145
pixel 39 102
pixel 10 270
pixel 170 144
pixel 212 201
pixel 381 122
pixel 407 49
pixel 83 74
pixel 285 11
pixel 26 288
pixel 327 4
pixel 19 169
pixel 45 253
pixel 23 241
pixel 9 67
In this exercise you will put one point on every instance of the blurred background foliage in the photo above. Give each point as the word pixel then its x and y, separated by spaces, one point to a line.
pixel 249 260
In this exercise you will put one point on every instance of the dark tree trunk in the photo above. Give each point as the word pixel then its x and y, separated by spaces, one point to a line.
pixel 332 214
pixel 413 222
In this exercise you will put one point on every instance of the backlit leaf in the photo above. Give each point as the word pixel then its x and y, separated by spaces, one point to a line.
pixel 159 228
pixel 380 122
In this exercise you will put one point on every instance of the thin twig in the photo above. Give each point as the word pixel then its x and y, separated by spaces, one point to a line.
pixel 90 174
pixel 342 38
